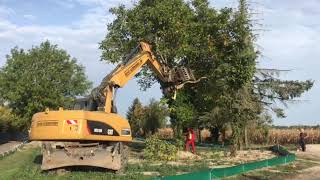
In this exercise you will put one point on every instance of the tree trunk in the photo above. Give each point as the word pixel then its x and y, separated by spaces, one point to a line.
pixel 215 134
pixel 246 137
pixel 233 150
pixel 199 135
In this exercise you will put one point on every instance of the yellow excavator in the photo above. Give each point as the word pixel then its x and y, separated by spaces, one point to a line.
pixel 93 134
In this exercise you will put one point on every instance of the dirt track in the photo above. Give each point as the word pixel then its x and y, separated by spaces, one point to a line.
pixel 313 154
pixel 8 146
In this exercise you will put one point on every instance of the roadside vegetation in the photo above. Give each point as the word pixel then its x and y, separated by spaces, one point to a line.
pixel 25 164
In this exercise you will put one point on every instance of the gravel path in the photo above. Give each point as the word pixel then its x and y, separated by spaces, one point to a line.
pixel 8 146
pixel 308 174
pixel 313 173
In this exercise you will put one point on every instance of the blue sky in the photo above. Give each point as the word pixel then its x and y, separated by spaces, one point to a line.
pixel 289 40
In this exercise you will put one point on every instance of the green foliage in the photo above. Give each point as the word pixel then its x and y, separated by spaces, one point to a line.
pixel 155 115
pixel 179 143
pixel 215 43
pixel 7 119
pixel 44 76
pixel 135 115
pixel 145 120
pixel 182 113
pixel 162 23
pixel 271 89
pixel 193 34
pixel 157 149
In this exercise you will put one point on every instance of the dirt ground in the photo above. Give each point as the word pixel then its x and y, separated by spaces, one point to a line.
pixel 312 154
pixel 8 146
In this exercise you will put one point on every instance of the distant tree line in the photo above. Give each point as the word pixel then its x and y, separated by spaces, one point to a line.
pixel 146 120
pixel 297 127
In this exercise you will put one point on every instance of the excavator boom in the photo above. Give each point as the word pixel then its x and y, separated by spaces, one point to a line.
pixel 170 79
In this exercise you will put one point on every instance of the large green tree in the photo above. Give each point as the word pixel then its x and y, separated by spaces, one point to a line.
pixel 215 43
pixel 135 115
pixel 43 76
pixel 155 117
pixel 7 119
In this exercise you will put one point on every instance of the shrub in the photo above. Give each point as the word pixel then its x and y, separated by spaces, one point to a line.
pixel 157 149
pixel 6 119
pixel 180 144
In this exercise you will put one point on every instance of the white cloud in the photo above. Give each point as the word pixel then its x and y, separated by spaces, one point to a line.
pixel 5 11
pixel 29 17
pixel 68 4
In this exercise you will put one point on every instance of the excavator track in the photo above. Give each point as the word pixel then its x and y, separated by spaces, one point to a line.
pixel 60 155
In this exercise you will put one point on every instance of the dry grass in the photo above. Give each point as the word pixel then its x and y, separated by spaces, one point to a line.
pixel 167 133
pixel 274 136
pixel 286 136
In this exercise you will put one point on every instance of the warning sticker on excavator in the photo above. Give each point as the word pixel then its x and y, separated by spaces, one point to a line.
pixel 73 122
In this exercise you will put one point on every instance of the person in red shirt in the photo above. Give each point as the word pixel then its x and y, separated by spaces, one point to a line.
pixel 190 139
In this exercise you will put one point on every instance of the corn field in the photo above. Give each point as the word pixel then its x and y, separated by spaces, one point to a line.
pixel 285 136
pixel 273 136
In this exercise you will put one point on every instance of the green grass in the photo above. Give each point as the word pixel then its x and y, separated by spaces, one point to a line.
pixel 25 164
pixel 276 172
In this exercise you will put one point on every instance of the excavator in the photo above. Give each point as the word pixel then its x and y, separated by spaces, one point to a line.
pixel 92 133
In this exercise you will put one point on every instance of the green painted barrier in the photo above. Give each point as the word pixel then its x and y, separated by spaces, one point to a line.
pixel 230 171
pixel 242 168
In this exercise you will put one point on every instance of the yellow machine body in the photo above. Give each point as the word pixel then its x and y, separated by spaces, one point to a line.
pixel 77 125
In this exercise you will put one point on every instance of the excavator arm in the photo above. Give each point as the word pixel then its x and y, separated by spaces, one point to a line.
pixel 171 78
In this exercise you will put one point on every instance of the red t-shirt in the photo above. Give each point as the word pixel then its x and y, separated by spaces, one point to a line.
pixel 191 133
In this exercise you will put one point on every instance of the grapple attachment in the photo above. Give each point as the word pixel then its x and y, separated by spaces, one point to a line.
pixel 178 77
pixel 182 74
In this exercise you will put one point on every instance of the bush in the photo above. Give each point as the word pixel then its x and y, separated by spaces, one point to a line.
pixel 157 149
pixel 6 119
pixel 180 144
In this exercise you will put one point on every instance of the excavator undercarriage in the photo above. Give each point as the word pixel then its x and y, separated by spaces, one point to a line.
pixel 61 154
